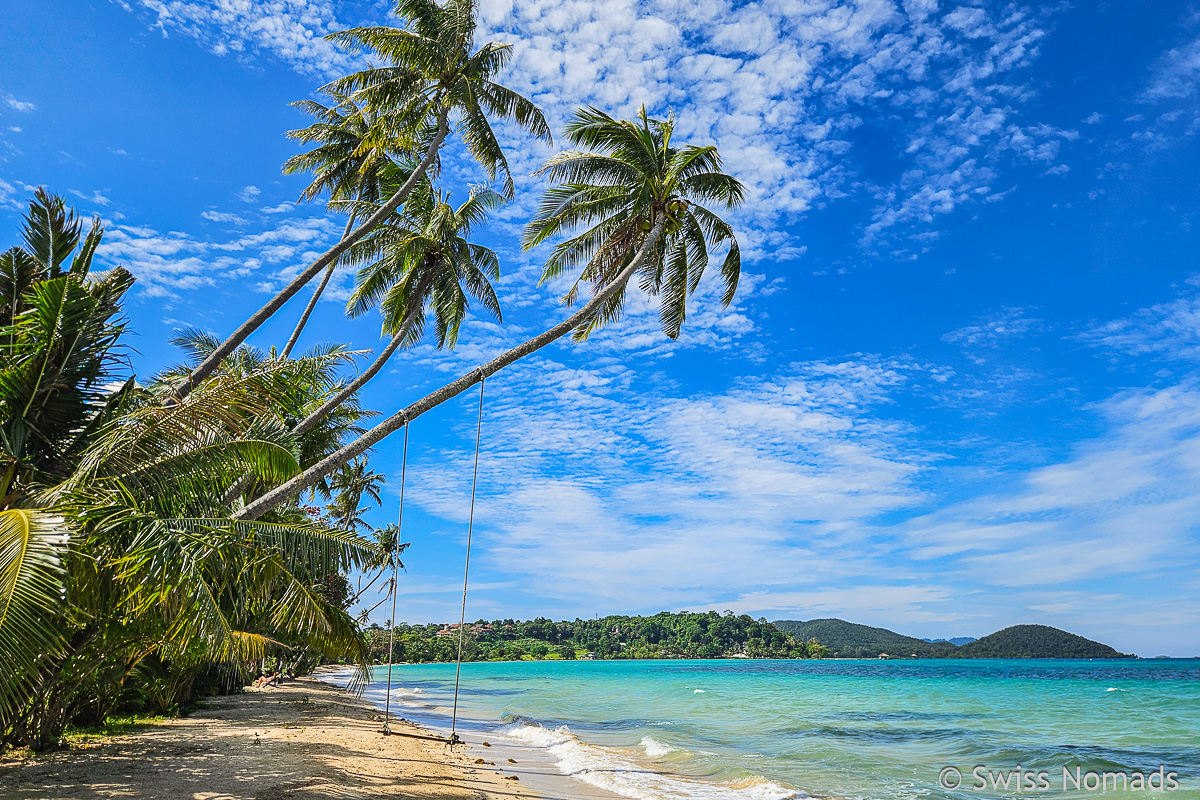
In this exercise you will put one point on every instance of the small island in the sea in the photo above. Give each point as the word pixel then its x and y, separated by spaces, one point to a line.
pixel 708 635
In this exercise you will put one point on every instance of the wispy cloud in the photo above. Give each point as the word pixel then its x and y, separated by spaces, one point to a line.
pixel 24 106
pixel 1122 503
pixel 1168 330
pixel 596 484
pixel 95 197
pixel 289 32
pixel 1005 324
pixel 784 90
pixel 222 216
pixel 167 263
pixel 1177 73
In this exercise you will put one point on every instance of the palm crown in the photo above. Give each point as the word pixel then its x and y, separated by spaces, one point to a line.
pixel 352 146
pixel 431 69
pixel 629 187
pixel 421 258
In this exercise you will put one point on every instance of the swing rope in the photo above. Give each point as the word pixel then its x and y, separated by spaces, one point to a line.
pixel 466 571
pixel 387 703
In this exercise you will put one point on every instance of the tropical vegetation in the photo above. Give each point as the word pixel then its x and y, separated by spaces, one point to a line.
pixel 663 635
pixel 169 535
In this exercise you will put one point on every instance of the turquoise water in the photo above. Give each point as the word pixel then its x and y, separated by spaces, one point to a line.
pixel 834 728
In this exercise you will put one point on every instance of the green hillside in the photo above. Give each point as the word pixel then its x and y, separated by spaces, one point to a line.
pixel 1036 641
pixel 849 640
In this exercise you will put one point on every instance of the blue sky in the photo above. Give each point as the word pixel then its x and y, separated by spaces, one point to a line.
pixel 958 388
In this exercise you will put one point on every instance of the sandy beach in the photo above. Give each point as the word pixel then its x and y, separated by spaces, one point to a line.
pixel 302 741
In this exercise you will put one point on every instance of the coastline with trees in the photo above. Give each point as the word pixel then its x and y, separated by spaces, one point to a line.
pixel 158 536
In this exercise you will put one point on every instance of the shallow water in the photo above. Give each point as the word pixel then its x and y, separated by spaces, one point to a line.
pixel 884 730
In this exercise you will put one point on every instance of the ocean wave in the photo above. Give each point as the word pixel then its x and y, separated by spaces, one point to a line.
pixel 654 748
pixel 612 771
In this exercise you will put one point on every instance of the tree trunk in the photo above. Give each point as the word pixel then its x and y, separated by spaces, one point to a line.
pixel 312 304
pixel 401 418
pixel 210 364
pixel 311 421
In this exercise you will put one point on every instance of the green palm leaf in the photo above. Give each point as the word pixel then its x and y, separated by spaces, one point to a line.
pixel 33 549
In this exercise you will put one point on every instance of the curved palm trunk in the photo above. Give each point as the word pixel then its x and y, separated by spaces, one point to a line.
pixel 309 422
pixel 312 304
pixel 401 418
pixel 313 419
pixel 210 364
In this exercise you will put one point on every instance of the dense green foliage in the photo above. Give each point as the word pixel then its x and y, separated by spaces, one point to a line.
pixel 123 582
pixel 848 640
pixel 664 635
pixel 1036 641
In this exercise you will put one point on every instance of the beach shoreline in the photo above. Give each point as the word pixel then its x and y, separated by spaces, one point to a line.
pixel 302 740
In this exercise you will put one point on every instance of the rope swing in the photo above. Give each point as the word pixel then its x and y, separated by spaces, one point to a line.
pixel 453 739
pixel 387 703
pixel 462 619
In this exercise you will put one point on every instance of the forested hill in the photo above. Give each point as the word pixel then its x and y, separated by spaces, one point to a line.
pixel 850 640
pixel 665 635
pixel 1036 641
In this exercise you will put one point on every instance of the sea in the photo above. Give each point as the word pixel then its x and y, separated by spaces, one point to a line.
pixel 775 730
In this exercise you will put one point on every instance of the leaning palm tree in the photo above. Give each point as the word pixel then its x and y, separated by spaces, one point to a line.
pixel 350 153
pixel 428 73
pixel 639 199
pixel 420 259
pixel 114 544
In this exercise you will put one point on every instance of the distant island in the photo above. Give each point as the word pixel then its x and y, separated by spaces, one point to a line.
pixel 849 640
pixel 709 635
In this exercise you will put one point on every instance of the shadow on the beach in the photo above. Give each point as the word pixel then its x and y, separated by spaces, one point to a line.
pixel 226 753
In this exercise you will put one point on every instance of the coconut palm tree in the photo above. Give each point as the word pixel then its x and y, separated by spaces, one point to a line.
pixel 114 543
pixel 639 199
pixel 346 163
pixel 417 260
pixel 59 343
pixel 346 488
pixel 428 71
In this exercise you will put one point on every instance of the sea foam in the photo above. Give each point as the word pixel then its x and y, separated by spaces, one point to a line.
pixel 615 772
pixel 654 748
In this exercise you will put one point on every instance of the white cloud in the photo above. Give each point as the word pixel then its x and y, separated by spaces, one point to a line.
pixel 94 197
pixel 18 105
pixel 167 263
pixel 1007 323
pixel 780 87
pixel 1123 503
pixel 289 31
pixel 1177 73
pixel 1168 330
pixel 249 194
pixel 597 485
pixel 222 216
